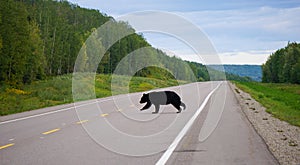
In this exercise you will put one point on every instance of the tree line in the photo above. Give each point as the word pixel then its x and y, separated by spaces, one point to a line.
pixel 283 66
pixel 43 38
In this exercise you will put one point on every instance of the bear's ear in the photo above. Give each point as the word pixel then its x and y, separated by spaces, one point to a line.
pixel 145 94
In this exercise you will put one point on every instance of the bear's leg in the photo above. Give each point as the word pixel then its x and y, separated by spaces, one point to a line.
pixel 184 106
pixel 177 106
pixel 148 105
pixel 156 108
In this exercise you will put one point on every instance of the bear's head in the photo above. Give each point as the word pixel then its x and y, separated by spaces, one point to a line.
pixel 145 98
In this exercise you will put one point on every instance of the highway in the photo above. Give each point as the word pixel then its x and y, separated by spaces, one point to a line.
pixel 212 130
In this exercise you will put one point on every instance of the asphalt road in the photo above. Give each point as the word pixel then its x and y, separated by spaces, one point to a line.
pixel 212 130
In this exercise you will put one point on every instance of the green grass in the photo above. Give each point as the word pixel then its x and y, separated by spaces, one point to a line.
pixel 139 84
pixel 281 100
pixel 58 90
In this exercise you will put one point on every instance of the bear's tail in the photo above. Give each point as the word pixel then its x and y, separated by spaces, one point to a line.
pixel 182 104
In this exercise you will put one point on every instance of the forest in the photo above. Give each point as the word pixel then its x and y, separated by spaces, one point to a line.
pixel 41 39
pixel 283 66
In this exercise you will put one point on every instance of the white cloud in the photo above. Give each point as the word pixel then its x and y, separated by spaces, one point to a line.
pixel 235 33
pixel 257 22
pixel 250 57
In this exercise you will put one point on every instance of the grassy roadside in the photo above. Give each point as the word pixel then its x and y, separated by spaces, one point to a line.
pixel 281 100
pixel 58 90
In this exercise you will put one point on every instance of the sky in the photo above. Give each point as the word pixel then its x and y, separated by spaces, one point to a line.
pixel 242 32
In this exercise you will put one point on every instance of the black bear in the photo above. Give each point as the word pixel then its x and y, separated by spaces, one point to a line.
pixel 162 98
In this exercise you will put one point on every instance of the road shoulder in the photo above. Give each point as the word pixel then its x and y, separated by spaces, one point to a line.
pixel 234 140
pixel 282 139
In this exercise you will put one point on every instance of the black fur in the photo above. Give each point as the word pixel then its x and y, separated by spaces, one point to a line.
pixel 162 98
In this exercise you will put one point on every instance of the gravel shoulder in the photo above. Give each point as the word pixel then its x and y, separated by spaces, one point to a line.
pixel 282 139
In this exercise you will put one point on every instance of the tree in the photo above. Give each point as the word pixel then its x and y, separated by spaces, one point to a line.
pixel 21 55
pixel 15 33
pixel 0 34
pixel 35 62
pixel 82 59
pixel 283 65
pixel 41 38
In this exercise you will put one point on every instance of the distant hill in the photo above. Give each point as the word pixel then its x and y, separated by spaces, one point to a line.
pixel 252 71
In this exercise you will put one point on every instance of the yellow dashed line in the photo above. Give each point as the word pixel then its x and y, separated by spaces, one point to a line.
pixel 8 145
pixel 104 114
pixel 51 131
pixel 82 121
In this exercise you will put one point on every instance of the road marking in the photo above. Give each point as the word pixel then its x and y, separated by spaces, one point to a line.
pixel 8 145
pixel 38 115
pixel 174 144
pixel 64 109
pixel 51 131
pixel 82 121
pixel 104 114
pixel 52 112
pixel 119 110
pixel 132 105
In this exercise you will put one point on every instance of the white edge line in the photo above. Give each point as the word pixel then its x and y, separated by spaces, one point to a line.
pixel 60 110
pixel 172 147
pixel 32 116
pixel 48 113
